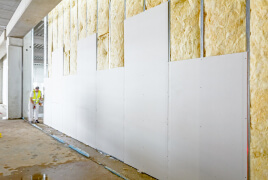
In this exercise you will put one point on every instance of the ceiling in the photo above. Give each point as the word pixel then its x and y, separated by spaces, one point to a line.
pixel 7 9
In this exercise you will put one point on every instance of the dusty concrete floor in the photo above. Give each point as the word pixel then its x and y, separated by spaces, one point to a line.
pixel 28 153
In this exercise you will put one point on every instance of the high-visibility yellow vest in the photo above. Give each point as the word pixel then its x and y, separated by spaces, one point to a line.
pixel 36 100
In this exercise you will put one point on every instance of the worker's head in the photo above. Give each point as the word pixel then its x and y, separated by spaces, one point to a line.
pixel 36 89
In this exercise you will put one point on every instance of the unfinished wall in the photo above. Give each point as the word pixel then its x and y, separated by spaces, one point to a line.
pixel 55 29
pixel 50 42
pixel 60 24
pixel 67 46
pixel 82 18
pixel 259 89
pixel 74 33
pixel 134 7
pixel 152 3
pixel 91 16
pixel 225 24
pixel 185 30
pixel 103 35
pixel 117 33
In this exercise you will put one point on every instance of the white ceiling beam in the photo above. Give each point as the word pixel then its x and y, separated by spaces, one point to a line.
pixel 27 15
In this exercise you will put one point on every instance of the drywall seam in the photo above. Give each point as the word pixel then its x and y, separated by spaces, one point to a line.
pixel 225 27
pixel 117 34
pixel 185 30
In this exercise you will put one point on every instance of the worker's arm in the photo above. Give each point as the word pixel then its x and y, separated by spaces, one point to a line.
pixel 31 99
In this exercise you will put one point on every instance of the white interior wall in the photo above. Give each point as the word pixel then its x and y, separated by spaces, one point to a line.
pixel 154 115
pixel 146 91
pixel 1 81
pixel 5 81
pixel 14 56
pixel 27 71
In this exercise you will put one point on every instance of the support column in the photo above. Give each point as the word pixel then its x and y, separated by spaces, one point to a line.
pixel 27 71
pixel 14 84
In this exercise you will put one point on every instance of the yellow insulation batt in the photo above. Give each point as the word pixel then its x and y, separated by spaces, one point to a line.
pixel 60 24
pixel 103 52
pixel 55 29
pixel 103 35
pixel 134 7
pixel 91 17
pixel 103 17
pixel 184 29
pixel 67 45
pixel 259 89
pixel 152 3
pixel 225 27
pixel 50 42
pixel 82 18
pixel 74 31
pixel 117 34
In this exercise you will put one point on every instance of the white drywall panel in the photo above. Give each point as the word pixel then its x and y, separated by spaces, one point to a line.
pixel 183 125
pixel 110 112
pixel 146 91
pixel 86 90
pixel 70 105
pixel 48 96
pixel 57 63
pixel 27 72
pixel 223 117
pixel 86 56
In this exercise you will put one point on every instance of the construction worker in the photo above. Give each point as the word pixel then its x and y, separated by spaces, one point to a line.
pixel 35 102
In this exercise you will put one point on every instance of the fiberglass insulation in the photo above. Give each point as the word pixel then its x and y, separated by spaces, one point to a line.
pixel 259 89
pixel 55 29
pixel 224 25
pixel 60 24
pixel 73 60
pixel 117 34
pixel 184 29
pixel 82 18
pixel 91 17
pixel 67 46
pixel 134 7
pixel 103 35
pixel 152 3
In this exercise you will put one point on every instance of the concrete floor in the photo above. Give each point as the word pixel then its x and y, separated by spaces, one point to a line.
pixel 28 153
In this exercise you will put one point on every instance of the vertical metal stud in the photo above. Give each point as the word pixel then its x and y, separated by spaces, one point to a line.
pixel 202 29
pixel 32 59
pixel 169 21
pixel 248 78
pixel 125 9
pixel 109 56
pixel 45 45
pixel 144 5
pixel 97 29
